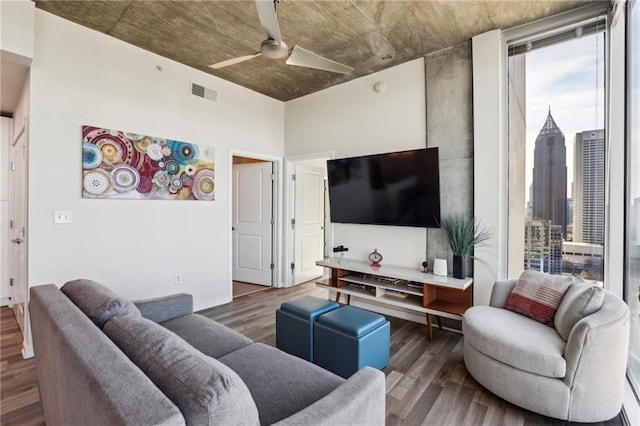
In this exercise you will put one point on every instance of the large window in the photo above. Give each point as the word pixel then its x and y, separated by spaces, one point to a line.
pixel 557 153
pixel 632 281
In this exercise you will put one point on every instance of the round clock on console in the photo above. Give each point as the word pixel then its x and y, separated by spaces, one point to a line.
pixel 375 258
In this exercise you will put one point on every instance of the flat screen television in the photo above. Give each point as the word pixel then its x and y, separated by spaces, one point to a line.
pixel 397 188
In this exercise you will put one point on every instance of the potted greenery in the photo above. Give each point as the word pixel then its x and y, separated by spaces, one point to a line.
pixel 463 233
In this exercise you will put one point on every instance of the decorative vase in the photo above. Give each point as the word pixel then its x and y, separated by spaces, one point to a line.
pixel 459 266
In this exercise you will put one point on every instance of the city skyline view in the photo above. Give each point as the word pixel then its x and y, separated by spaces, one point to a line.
pixel 565 153
pixel 568 79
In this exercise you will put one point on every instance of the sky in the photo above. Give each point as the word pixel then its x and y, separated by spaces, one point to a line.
pixel 569 78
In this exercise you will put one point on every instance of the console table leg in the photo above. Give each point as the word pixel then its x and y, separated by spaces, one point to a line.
pixel 438 321
pixel 348 299
pixel 338 296
pixel 429 329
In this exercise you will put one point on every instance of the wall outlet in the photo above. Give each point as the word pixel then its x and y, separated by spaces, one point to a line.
pixel 61 216
pixel 178 279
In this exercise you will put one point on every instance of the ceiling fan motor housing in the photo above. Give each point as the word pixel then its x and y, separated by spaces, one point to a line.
pixel 274 50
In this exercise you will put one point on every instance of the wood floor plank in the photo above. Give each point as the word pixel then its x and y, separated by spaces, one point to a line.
pixel 19 393
pixel 475 414
pixel 451 406
pixel 424 405
pixel 392 379
pixel 427 382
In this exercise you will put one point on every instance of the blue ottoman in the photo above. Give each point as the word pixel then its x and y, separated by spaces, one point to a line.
pixel 348 338
pixel 294 324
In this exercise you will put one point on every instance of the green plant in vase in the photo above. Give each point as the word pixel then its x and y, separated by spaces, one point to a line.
pixel 463 233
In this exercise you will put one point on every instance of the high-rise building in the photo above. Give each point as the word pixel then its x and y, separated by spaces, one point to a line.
pixel 542 246
pixel 588 180
pixel 549 187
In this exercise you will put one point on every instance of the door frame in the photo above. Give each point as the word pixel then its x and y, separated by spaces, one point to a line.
pixel 276 243
pixel 23 131
pixel 289 203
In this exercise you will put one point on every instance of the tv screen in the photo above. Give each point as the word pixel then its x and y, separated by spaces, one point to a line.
pixel 397 188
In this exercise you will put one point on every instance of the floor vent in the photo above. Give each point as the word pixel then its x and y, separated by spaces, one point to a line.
pixel 204 92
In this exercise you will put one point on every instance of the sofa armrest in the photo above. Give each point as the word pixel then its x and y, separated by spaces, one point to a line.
pixel 501 291
pixel 596 356
pixel 358 401
pixel 161 309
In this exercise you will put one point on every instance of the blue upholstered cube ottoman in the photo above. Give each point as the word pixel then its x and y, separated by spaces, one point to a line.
pixel 294 324
pixel 348 338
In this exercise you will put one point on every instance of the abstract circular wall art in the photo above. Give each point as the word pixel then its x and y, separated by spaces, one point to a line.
pixel 117 164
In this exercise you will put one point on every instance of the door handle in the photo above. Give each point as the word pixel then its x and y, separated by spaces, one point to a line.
pixel 233 228
pixel 17 241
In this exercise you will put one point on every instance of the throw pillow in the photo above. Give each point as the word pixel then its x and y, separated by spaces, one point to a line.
pixel 206 391
pixel 582 299
pixel 537 295
pixel 96 301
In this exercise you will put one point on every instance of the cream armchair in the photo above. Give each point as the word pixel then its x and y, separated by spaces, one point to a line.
pixel 529 364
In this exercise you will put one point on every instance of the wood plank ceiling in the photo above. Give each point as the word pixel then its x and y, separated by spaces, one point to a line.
pixel 369 35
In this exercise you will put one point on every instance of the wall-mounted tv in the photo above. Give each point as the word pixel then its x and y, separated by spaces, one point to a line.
pixel 397 188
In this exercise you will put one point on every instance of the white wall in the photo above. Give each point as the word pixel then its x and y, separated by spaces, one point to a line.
pixel 490 161
pixel 16 29
pixel 135 247
pixel 351 119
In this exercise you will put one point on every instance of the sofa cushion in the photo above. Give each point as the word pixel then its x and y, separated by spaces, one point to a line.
pixel 281 384
pixel 206 391
pixel 83 377
pixel 97 302
pixel 164 308
pixel 581 299
pixel 207 335
pixel 538 295
pixel 515 340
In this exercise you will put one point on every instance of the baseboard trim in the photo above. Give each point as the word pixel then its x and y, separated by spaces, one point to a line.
pixel 27 351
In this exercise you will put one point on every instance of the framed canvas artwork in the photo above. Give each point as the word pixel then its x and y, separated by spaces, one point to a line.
pixel 117 164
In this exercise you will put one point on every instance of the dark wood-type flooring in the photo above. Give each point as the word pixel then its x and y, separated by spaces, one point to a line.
pixel 19 394
pixel 427 382
pixel 242 289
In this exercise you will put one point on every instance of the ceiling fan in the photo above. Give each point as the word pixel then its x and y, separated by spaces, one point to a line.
pixel 274 48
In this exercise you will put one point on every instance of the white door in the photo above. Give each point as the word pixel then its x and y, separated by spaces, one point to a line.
pixel 18 229
pixel 252 222
pixel 308 226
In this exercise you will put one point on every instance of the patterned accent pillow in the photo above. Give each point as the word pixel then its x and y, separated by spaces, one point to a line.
pixel 537 295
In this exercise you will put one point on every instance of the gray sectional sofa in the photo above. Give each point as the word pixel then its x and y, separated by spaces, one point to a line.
pixel 104 360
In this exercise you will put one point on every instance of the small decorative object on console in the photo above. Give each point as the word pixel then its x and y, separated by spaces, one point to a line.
pixel 424 266
pixel 375 258
pixel 440 267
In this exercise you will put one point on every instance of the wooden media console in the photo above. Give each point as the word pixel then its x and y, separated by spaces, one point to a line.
pixel 397 287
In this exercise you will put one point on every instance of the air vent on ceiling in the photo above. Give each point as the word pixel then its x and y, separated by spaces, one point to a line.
pixel 204 92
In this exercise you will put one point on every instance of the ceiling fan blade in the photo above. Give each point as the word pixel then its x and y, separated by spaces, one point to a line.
pixel 304 58
pixel 234 61
pixel 269 18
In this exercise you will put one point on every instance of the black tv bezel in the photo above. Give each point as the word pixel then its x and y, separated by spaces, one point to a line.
pixel 431 224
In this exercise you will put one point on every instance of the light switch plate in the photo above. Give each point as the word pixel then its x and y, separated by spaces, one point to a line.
pixel 61 216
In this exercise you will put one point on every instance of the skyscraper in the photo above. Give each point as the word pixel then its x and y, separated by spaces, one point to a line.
pixel 542 246
pixel 549 187
pixel 588 178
